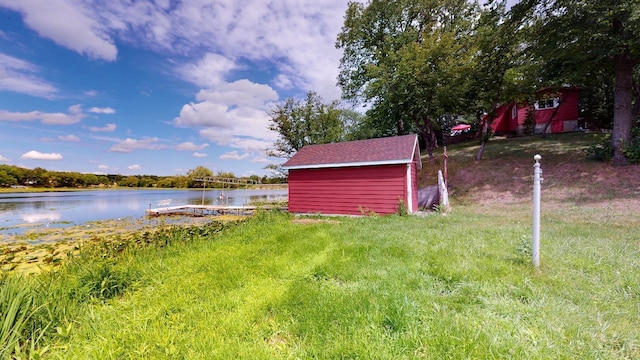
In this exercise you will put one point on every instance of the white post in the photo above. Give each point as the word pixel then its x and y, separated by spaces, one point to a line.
pixel 204 186
pixel 444 193
pixel 537 180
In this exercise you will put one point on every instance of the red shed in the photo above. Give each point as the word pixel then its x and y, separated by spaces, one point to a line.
pixel 355 177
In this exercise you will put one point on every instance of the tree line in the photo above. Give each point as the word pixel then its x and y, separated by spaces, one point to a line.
pixel 38 177
pixel 418 66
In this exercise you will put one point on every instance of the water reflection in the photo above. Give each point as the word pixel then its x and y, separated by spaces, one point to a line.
pixel 72 208
pixel 42 217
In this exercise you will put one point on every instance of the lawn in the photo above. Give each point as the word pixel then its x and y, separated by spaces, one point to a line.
pixel 454 286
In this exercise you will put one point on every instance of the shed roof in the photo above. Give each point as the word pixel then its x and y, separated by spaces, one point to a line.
pixel 382 151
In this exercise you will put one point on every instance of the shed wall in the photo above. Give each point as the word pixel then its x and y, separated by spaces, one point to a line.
pixel 414 189
pixel 348 190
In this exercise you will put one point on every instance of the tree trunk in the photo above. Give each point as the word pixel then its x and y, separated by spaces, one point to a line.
pixel 480 151
pixel 486 128
pixel 429 136
pixel 622 111
pixel 400 126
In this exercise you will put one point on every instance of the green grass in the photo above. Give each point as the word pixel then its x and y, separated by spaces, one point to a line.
pixel 391 287
pixel 459 286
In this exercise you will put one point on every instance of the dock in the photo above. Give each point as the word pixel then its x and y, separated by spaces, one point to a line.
pixel 202 210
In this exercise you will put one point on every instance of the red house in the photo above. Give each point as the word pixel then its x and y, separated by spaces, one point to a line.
pixel 355 177
pixel 560 106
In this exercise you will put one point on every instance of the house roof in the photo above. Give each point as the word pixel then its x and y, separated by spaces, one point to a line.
pixel 382 151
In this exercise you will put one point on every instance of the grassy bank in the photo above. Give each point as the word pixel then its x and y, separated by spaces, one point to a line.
pixel 455 286
pixel 374 288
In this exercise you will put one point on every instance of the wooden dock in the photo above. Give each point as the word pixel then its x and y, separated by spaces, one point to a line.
pixel 202 210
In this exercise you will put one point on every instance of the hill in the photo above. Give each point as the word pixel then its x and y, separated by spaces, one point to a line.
pixel 504 177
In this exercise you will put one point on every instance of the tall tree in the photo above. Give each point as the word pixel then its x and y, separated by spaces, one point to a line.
pixel 305 122
pixel 500 73
pixel 573 36
pixel 199 172
pixel 406 59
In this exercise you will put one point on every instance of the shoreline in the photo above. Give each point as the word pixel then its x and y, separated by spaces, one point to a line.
pixel 43 249
pixel 4 190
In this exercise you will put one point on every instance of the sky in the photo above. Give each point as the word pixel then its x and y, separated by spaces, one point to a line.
pixel 157 87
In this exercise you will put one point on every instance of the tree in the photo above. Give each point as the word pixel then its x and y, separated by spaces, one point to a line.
pixel 501 73
pixel 199 172
pixel 304 122
pixel 408 60
pixel 90 179
pixel 6 179
pixel 11 175
pixel 579 37
pixel 356 125
pixel 129 181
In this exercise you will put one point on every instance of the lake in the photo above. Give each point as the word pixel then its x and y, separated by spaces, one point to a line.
pixel 21 211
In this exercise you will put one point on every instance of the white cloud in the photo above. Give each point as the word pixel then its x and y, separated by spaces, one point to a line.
pixel 189 146
pixel 17 76
pixel 104 110
pixel 103 167
pixel 208 43
pixel 35 155
pixel 130 145
pixel 107 128
pixel 69 138
pixel 199 155
pixel 209 71
pixel 233 155
pixel 234 115
pixel 73 116
pixel 106 138
pixel 261 158
pixel 283 81
pixel 71 24
pixel 203 114
pixel 241 93
pixel 134 167
pixel 4 159
pixel 227 138
pixel 296 38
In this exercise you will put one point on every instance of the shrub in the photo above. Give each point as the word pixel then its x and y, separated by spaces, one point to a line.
pixel 366 211
pixel 632 152
pixel 101 281
pixel 402 208
pixel 602 151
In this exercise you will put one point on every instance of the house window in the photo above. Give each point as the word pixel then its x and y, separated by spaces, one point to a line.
pixel 547 103
pixel 514 112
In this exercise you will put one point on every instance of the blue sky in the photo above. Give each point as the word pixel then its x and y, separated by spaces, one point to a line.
pixel 157 87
